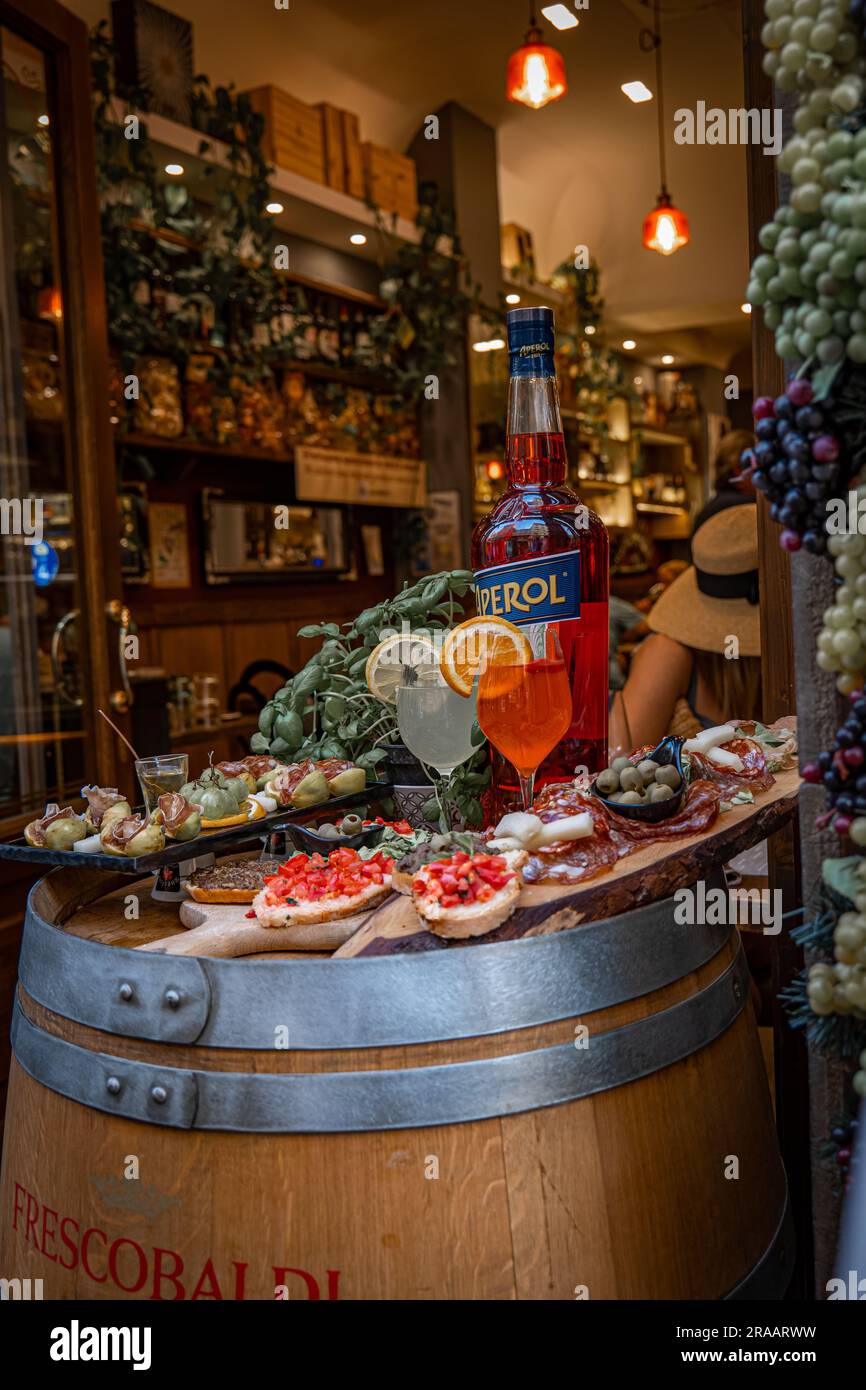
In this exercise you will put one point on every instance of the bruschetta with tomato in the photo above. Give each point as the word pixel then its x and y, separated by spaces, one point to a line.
pixel 468 894
pixel 312 888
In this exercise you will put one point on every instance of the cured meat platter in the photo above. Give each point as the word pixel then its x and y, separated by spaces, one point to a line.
pixel 653 871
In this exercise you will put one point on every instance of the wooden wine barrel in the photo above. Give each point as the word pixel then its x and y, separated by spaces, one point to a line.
pixel 583 1114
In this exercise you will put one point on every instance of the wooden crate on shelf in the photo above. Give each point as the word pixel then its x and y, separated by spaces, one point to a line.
pixel 293 137
pixel 353 155
pixel 392 182
pixel 517 251
pixel 332 137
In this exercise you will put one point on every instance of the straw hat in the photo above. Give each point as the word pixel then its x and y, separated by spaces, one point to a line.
pixel 717 596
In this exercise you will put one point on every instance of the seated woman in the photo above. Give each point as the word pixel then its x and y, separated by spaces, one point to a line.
pixel 701 664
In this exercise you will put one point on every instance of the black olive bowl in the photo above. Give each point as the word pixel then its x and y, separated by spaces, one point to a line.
pixel 309 841
pixel 667 753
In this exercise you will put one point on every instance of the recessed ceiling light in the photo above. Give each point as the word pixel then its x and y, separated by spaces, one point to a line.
pixel 629 343
pixel 745 308
pixel 174 169
pixel 274 209
pixel 358 239
pixel 590 329
pixel 560 17
pixel 637 91
pixel 43 120
pixel 512 299
pixel 667 360
pixel 638 381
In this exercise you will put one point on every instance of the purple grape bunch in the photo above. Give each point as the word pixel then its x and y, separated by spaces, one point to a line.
pixel 796 463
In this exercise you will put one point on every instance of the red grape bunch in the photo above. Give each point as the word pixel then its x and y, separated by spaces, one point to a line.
pixel 796 463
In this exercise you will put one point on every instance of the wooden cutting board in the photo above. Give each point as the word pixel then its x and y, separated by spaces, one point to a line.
pixel 223 929
pixel 655 871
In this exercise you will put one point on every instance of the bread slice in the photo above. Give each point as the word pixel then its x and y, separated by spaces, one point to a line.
pixel 476 919
pixel 473 919
pixel 324 910
pixel 220 895
pixel 401 882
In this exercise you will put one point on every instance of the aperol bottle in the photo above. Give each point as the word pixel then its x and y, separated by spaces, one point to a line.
pixel 541 555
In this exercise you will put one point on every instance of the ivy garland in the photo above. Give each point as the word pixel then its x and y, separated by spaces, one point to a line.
pixel 429 297
pixel 226 291
pixel 594 375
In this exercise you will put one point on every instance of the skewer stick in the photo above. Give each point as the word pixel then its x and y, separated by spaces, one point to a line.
pixel 121 736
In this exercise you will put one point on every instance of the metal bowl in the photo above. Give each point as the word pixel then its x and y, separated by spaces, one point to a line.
pixel 666 753
pixel 308 840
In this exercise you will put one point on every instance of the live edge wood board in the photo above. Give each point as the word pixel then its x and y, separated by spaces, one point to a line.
pixel 654 872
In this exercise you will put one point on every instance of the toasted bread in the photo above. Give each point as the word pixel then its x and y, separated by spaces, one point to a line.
pixel 286 914
pixel 220 895
pixel 473 919
pixel 476 919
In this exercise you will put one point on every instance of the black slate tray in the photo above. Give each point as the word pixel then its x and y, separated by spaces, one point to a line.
pixel 210 842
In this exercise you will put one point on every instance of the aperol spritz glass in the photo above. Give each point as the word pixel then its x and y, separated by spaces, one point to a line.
pixel 524 708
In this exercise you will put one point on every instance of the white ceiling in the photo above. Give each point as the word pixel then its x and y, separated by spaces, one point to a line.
pixel 583 170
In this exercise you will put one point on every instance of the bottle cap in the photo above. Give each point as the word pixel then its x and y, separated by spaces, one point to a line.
pixel 530 341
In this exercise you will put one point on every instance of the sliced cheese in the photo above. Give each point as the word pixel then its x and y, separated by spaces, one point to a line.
pixel 522 830
pixel 569 828
pixel 709 738
pixel 723 757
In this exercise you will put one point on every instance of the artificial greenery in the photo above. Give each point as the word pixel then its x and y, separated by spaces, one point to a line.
pixel 592 374
pixel 429 297
pixel 216 259
pixel 328 711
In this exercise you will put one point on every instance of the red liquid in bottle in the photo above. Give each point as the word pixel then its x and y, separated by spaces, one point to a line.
pixel 540 515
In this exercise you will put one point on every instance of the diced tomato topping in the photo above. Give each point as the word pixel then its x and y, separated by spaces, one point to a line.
pixel 342 873
pixel 463 878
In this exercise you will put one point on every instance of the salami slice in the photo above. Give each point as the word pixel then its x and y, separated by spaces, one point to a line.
pixel 578 860
pixel 699 812
pixel 755 775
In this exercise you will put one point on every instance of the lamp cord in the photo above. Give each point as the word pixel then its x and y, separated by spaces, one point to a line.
pixel 660 87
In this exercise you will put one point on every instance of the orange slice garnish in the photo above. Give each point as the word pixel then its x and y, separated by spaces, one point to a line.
pixel 477 644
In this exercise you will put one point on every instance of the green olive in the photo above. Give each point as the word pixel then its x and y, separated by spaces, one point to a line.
pixel 630 780
pixel 669 777
pixel 632 798
pixel 607 782
pixel 647 770
pixel 328 831
pixel 660 792
pixel 619 763
pixel 351 825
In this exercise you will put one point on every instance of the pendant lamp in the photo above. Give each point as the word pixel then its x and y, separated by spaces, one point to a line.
pixel 536 71
pixel 666 228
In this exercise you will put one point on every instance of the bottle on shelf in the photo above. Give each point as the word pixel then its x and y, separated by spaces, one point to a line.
pixel 541 556
pixel 347 337
pixel 363 350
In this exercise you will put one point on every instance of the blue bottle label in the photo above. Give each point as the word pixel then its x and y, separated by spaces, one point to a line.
pixel 545 588
pixel 530 343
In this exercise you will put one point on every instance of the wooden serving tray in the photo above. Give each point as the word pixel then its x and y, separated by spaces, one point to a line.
pixel 655 871
pixel 224 930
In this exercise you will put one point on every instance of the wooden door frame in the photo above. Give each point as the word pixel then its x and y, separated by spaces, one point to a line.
pixel 58 32
pixel 784 958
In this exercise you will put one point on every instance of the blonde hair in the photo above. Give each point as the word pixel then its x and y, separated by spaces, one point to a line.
pixel 735 685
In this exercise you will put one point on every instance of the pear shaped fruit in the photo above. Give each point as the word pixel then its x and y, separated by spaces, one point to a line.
pixel 310 790
pixel 353 779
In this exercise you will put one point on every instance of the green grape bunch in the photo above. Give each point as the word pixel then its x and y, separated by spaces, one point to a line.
pixel 813 47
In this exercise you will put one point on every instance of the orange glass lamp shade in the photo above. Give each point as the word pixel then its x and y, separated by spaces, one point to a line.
pixel 49 304
pixel 536 73
pixel 665 229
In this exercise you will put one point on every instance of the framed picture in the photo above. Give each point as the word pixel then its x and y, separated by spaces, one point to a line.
pixel 154 51
pixel 169 545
